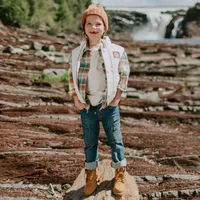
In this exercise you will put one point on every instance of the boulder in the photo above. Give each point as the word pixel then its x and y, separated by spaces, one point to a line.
pixel 36 45
pixel 191 20
pixel 104 190
pixel 122 21
pixel 193 29
pixel 185 25
pixel 12 50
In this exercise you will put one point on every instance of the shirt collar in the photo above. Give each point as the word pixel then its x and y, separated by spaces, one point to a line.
pixel 96 48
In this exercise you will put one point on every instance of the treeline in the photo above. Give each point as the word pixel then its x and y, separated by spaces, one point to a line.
pixel 55 15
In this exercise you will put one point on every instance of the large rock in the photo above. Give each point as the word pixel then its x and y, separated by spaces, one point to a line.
pixel 193 29
pixel 185 25
pixel 104 190
pixel 191 25
pixel 122 21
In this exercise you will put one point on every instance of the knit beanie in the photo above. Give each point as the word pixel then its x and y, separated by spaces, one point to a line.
pixel 95 9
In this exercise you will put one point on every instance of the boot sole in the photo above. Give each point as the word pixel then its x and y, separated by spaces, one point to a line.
pixel 91 192
pixel 118 194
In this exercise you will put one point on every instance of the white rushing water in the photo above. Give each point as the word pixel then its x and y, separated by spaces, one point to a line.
pixel 154 29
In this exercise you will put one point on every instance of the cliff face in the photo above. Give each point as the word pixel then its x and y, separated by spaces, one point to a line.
pixel 192 22
pixel 41 145
pixel 184 24
pixel 122 23
pixel 189 25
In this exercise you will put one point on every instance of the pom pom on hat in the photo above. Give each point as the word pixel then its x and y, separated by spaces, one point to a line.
pixel 95 9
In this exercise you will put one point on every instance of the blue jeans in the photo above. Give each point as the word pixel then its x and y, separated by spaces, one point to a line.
pixel 110 118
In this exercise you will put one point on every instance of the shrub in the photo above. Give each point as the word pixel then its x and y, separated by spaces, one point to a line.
pixel 42 13
pixel 55 79
pixel 14 12
pixel 55 15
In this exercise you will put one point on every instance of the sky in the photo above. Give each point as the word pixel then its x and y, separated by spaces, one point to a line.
pixel 144 3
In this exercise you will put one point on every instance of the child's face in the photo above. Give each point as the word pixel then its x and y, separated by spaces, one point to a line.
pixel 94 27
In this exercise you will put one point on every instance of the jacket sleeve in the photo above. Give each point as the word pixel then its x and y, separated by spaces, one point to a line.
pixel 124 71
pixel 72 92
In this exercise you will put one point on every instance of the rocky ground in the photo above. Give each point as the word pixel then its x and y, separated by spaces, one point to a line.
pixel 41 146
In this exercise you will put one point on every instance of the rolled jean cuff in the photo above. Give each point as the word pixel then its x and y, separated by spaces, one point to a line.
pixel 91 165
pixel 119 164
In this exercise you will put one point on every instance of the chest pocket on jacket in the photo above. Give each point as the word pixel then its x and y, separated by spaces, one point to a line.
pixel 115 65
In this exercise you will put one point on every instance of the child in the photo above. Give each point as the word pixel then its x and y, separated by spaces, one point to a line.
pixel 98 75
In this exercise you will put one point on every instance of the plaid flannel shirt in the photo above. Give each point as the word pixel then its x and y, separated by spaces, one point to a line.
pixel 123 70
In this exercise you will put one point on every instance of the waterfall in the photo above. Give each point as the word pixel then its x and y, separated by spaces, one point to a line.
pixel 154 29
pixel 177 26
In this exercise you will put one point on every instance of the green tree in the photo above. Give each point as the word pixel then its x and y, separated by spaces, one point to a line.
pixel 55 15
pixel 41 13
pixel 64 14
pixel 78 7
pixel 69 13
pixel 14 12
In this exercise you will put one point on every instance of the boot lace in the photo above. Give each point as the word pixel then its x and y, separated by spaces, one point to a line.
pixel 90 175
pixel 120 177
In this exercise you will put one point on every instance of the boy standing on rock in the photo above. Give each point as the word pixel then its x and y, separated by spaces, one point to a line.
pixel 98 75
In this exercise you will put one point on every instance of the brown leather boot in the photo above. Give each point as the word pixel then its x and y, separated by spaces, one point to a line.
pixel 118 188
pixel 93 178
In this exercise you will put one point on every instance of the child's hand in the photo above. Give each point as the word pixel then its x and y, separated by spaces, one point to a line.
pixel 114 102
pixel 78 104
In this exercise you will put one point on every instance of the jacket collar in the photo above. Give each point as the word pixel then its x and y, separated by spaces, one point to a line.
pixel 106 44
